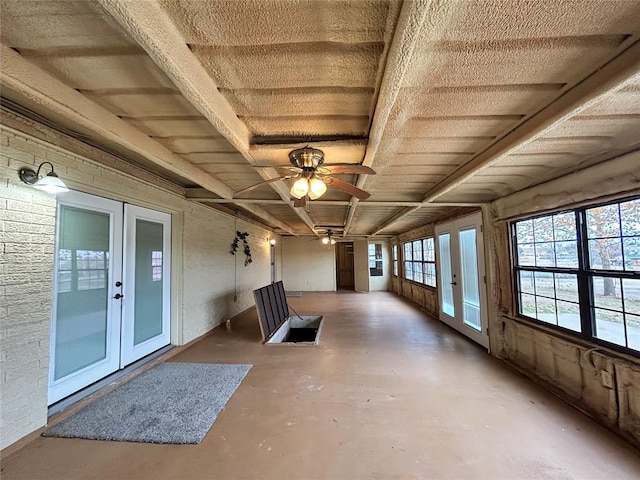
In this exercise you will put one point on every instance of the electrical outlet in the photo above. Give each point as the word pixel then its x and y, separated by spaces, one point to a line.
pixel 606 379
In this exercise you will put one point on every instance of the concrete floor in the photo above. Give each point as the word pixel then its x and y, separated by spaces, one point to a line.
pixel 388 393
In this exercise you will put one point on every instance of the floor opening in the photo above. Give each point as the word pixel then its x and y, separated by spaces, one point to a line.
pixel 299 330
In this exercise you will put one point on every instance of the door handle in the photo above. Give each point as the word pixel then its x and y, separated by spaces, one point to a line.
pixel 117 296
pixel 454 283
pixel 118 284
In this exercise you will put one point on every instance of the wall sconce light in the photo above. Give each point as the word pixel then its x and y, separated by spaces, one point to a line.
pixel 50 183
pixel 272 240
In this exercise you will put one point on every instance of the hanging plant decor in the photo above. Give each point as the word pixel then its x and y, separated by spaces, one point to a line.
pixel 247 250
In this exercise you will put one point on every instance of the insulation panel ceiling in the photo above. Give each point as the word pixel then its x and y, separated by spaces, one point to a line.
pixel 458 103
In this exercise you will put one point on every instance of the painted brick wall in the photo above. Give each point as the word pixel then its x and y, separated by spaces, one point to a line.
pixel 302 255
pixel 27 235
pixel 27 228
pixel 219 284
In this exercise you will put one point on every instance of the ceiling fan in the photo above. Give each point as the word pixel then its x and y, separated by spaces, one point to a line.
pixel 313 176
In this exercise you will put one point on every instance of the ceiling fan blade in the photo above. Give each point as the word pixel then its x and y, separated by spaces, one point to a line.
pixel 349 168
pixel 266 182
pixel 346 187
pixel 280 168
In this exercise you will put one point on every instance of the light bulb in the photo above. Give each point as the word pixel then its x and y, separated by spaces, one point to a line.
pixel 272 241
pixel 332 241
pixel 316 188
pixel 300 188
pixel 325 240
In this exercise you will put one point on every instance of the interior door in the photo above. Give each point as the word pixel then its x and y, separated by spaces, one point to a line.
pixel 147 261
pixel 461 277
pixel 344 265
pixel 85 337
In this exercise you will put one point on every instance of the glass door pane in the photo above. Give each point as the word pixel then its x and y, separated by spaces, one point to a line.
pixel 83 276
pixel 469 273
pixel 460 261
pixel 148 281
pixel 86 319
pixel 446 274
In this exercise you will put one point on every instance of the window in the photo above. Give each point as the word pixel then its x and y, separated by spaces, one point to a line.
pixel 420 262
pixel 375 259
pixel 394 255
pixel 156 266
pixel 580 271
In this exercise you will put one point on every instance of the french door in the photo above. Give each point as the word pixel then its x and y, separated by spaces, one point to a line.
pixel 461 277
pixel 111 289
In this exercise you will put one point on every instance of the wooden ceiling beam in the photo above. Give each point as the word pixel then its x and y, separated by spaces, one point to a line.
pixel 150 26
pixel 603 82
pixel 411 20
pixel 36 85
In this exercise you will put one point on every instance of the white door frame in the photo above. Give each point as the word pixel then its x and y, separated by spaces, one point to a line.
pixel 456 321
pixel 65 386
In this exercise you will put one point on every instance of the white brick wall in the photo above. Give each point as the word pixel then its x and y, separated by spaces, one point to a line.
pixel 209 268
pixel 27 227
pixel 27 234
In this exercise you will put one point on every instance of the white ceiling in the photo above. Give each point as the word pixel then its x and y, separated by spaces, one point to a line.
pixel 452 103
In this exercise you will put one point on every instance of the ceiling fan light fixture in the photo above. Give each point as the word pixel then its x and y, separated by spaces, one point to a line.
pixel 300 188
pixel 328 238
pixel 316 188
pixel 307 157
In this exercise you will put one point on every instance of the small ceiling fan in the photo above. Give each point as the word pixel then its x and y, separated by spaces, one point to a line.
pixel 313 176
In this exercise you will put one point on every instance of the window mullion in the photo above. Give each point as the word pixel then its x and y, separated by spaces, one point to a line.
pixel 585 292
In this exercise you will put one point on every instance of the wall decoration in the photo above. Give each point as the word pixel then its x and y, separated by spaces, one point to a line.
pixel 247 250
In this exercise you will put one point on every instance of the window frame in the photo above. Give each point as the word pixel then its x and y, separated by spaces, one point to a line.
pixel 422 262
pixel 394 260
pixel 585 275
pixel 378 260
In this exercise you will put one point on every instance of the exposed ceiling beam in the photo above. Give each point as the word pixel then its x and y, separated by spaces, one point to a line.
pixel 603 82
pixel 410 22
pixel 350 214
pixel 34 84
pixel 199 195
pixel 406 37
pixel 265 216
pixel 394 219
pixel 153 30
pixel 315 144
pixel 592 89
pixel 150 26
pixel 245 201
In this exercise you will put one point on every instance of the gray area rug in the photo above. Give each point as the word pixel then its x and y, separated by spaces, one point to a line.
pixel 170 403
